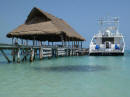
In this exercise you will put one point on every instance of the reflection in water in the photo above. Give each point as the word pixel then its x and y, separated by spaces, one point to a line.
pixel 3 62
pixel 72 68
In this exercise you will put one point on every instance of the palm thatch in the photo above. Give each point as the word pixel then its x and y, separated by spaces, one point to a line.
pixel 43 26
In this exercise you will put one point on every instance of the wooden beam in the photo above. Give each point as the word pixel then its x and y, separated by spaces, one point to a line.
pixel 3 53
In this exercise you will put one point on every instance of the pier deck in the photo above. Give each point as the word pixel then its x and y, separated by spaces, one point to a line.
pixel 10 46
pixel 21 52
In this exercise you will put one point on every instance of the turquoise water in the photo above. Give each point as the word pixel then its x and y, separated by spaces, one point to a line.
pixel 84 76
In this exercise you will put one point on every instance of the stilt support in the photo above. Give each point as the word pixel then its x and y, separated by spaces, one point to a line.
pixel 18 56
pixel 41 53
pixel 32 55
pixel 3 53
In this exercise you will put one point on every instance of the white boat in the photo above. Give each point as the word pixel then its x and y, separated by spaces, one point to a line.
pixel 108 41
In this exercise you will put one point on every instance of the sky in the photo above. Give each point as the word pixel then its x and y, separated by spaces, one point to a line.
pixel 82 15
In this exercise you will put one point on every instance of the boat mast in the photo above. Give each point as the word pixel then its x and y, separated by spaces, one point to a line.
pixel 116 20
pixel 101 25
pixel 108 20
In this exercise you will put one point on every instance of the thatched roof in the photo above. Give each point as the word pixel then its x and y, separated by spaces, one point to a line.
pixel 43 26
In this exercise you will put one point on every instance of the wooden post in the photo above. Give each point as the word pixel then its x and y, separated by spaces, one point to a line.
pixel 27 42
pixel 21 41
pixel 52 43
pixel 78 44
pixel 68 44
pixel 53 52
pixel 48 43
pixel 12 41
pixel 35 53
pixel 36 42
pixel 33 42
pixel 25 53
pixel 13 54
pixel 81 44
pixel 62 44
pixel 41 43
pixel 44 44
pixel 74 43
pixel 18 56
pixel 62 39
pixel 41 53
pixel 78 48
pixel 13 51
pixel 32 55
pixel 65 42
pixel 21 44
pixel 56 52
pixel 72 47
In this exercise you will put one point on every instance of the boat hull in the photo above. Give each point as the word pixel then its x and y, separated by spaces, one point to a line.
pixel 106 54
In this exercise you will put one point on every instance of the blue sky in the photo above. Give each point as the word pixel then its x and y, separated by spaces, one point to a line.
pixel 80 14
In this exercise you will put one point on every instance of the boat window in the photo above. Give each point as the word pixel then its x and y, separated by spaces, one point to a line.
pixel 109 39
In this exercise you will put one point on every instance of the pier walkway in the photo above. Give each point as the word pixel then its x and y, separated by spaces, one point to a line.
pixel 22 53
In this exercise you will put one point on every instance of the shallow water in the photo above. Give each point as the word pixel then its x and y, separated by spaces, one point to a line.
pixel 83 76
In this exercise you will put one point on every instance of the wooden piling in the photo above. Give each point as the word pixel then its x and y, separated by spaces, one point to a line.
pixel 41 53
pixel 25 54
pixel 13 54
pixel 81 44
pixel 32 55
pixel 18 56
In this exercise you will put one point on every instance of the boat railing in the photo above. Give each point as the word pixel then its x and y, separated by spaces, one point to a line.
pixel 111 35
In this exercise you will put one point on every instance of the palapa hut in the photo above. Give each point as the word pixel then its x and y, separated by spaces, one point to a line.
pixel 42 26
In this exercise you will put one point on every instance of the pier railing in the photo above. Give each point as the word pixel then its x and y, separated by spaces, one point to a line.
pixel 21 53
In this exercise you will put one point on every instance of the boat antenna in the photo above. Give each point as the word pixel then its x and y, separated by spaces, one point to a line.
pixel 116 20
pixel 100 21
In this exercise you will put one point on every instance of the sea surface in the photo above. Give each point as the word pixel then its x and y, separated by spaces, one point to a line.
pixel 78 76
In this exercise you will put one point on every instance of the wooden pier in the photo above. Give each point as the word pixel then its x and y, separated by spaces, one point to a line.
pixel 42 36
pixel 21 53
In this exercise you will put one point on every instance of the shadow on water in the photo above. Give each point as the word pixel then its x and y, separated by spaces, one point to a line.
pixel 3 62
pixel 72 68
